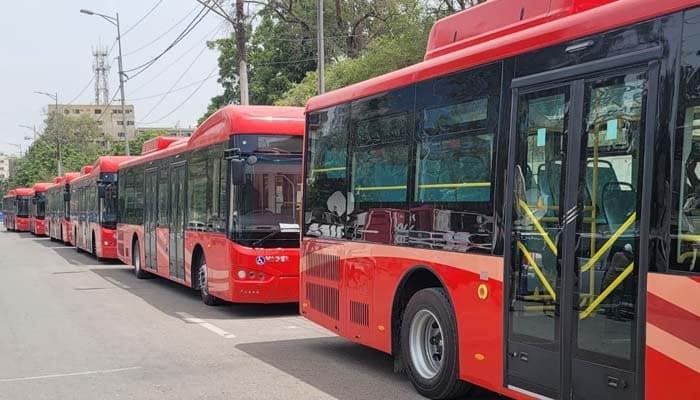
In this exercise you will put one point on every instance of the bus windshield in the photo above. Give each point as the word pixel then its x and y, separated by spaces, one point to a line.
pixel 108 205
pixel 40 205
pixel 264 209
pixel 23 203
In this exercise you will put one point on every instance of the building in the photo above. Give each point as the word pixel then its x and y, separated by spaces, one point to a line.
pixel 108 117
pixel 166 131
pixel 7 166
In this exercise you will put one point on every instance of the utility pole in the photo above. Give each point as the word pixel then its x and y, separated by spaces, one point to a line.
pixel 57 126
pixel 321 48
pixel 121 89
pixel 239 29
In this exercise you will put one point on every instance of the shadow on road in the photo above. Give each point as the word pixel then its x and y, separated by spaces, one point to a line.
pixel 342 369
pixel 172 298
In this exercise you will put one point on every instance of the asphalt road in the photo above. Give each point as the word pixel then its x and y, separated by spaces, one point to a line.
pixel 73 328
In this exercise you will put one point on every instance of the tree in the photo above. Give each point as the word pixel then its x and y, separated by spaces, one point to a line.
pixel 81 143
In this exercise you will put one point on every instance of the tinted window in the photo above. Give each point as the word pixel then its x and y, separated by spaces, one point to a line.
pixel 456 120
pixel 163 196
pixel 380 160
pixel 326 172
pixel 685 230
pixel 197 191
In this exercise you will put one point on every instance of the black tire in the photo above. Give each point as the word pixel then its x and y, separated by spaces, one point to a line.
pixel 94 247
pixel 202 274
pixel 75 239
pixel 136 261
pixel 438 376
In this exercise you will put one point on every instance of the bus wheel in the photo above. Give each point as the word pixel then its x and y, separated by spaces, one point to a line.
pixel 136 261
pixel 94 247
pixel 429 345
pixel 207 298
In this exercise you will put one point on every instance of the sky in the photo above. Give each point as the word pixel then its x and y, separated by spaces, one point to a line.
pixel 47 46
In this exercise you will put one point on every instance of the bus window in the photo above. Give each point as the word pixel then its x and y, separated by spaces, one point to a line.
pixel 326 174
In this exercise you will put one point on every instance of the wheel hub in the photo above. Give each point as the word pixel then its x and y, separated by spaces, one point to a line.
pixel 426 344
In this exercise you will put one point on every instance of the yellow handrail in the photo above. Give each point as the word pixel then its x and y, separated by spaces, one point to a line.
pixel 320 170
pixel 538 271
pixel 453 185
pixel 539 228
pixel 608 243
pixel 608 290
pixel 375 188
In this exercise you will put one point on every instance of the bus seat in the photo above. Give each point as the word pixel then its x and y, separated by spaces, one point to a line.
pixel 618 204
pixel 606 174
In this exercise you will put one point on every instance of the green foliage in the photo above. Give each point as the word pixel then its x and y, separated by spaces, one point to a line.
pixel 118 147
pixel 81 143
pixel 383 55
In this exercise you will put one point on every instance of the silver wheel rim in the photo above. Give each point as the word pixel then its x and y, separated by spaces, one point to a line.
pixel 137 260
pixel 203 284
pixel 426 344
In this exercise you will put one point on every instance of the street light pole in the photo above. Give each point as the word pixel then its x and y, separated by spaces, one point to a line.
pixel 57 126
pixel 31 128
pixel 115 21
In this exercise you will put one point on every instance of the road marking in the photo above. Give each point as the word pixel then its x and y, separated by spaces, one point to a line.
pixel 116 282
pixel 204 324
pixel 96 372
pixel 68 272
pixel 94 288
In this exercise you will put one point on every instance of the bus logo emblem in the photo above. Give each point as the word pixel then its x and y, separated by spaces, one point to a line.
pixel 260 260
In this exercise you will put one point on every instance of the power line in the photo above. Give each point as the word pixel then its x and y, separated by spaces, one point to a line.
pixel 189 85
pixel 163 34
pixel 285 62
pixel 92 79
pixel 211 34
pixel 177 81
pixel 179 105
pixel 142 18
pixel 190 27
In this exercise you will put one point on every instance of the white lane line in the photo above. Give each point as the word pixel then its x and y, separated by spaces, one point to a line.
pixel 96 372
pixel 116 282
pixel 204 324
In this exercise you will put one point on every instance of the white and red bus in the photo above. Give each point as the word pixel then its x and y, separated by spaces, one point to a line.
pixel 518 211
pixel 58 208
pixel 93 207
pixel 37 210
pixel 219 211
pixel 20 200
pixel 9 209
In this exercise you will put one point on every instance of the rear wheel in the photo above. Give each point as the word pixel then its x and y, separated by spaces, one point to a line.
pixel 207 297
pixel 94 247
pixel 136 261
pixel 429 345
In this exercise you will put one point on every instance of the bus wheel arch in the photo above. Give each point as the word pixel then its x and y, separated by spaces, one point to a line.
pixel 422 301
pixel 200 276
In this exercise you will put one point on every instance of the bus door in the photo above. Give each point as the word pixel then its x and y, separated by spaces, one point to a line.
pixel 577 170
pixel 163 224
pixel 150 217
pixel 178 178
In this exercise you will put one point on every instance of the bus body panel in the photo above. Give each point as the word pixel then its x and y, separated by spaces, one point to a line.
pixel 125 235
pixel 163 251
pixel 22 224
pixel 271 275
pixel 672 339
pixel 371 275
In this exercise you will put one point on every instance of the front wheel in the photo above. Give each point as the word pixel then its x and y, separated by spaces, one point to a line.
pixel 136 261
pixel 207 297
pixel 429 345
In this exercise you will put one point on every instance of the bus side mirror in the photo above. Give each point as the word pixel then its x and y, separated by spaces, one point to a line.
pixel 101 192
pixel 237 171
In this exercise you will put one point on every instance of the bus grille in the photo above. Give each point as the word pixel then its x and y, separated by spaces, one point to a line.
pixel 359 313
pixel 323 299
pixel 323 266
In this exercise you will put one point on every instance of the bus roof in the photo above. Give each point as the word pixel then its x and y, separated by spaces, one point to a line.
pixel 11 193
pixel 580 19
pixel 85 170
pixel 109 163
pixel 248 119
pixel 40 187
pixel 68 177
pixel 24 192
pixel 158 143
pixel 227 121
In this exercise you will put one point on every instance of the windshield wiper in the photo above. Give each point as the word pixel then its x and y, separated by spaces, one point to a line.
pixel 264 238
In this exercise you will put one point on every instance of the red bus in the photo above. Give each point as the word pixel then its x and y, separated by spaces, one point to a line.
pixel 93 207
pixel 518 210
pixel 58 208
pixel 22 209
pixel 219 212
pixel 9 209
pixel 37 210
